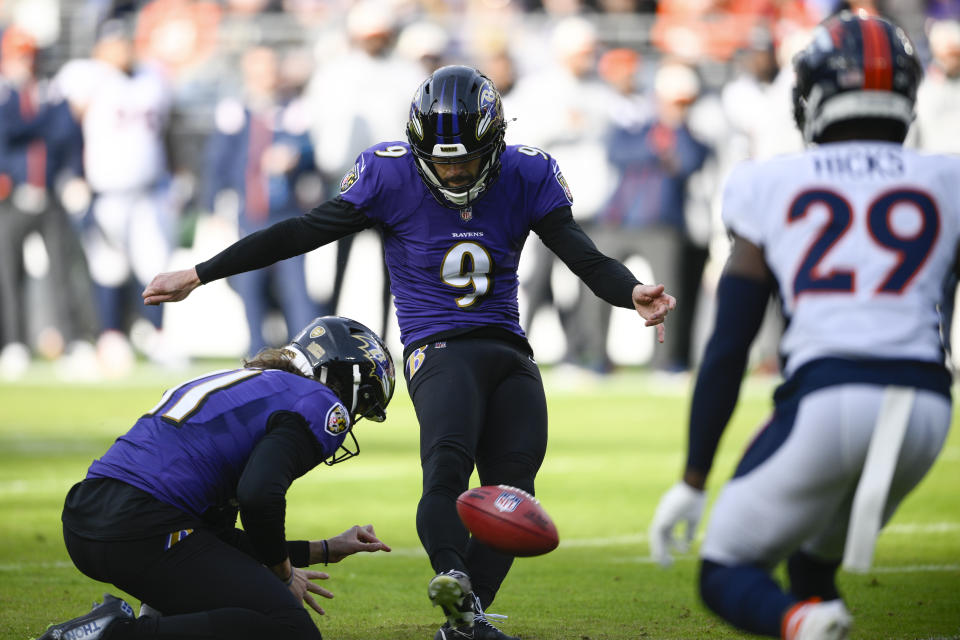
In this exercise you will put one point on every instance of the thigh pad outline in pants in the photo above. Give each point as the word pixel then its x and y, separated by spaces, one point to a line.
pixel 924 439
pixel 799 491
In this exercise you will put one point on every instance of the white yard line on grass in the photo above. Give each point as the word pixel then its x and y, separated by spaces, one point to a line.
pixel 908 568
pixel 917 568
pixel 410 552
pixel 930 527
pixel 910 528
pixel 630 539
pixel 24 566
pixel 577 543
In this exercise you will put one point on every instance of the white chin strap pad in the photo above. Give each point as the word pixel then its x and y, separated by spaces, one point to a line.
pixel 300 362
pixel 459 198
pixel 356 387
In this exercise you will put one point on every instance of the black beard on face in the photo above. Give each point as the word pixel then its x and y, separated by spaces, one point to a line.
pixel 457 182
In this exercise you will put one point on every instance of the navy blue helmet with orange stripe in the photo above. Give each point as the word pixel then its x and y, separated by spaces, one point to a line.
pixel 457 116
pixel 857 66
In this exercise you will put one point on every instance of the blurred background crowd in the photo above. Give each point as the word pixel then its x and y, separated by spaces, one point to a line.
pixel 137 137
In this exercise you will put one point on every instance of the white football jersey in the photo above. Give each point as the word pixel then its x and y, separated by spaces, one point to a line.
pixel 860 237
pixel 123 129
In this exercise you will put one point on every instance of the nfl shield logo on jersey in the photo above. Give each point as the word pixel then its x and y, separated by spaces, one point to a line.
pixel 466 214
pixel 507 502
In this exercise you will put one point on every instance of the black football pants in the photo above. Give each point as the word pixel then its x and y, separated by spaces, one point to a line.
pixel 479 401
pixel 205 588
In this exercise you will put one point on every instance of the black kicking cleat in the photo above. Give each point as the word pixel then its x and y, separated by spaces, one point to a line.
pixel 91 625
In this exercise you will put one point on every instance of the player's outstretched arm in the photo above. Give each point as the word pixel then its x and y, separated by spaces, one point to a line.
pixel 353 540
pixel 653 304
pixel 172 286
pixel 328 222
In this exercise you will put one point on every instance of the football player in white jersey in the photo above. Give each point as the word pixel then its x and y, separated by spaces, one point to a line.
pixel 856 236
pixel 124 109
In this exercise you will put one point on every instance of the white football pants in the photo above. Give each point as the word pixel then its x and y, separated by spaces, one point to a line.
pixel 801 495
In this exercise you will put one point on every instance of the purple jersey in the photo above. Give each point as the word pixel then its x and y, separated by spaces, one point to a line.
pixel 190 450
pixel 453 269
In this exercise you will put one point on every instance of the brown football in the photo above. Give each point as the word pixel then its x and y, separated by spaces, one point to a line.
pixel 508 519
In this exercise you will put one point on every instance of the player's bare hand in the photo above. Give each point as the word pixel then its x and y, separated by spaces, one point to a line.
pixel 351 541
pixel 653 304
pixel 279 159
pixel 303 585
pixel 172 286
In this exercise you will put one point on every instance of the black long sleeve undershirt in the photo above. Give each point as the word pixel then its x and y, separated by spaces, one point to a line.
pixel 337 218
pixel 741 304
pixel 285 453
pixel 606 277
pixel 297 550
pixel 326 223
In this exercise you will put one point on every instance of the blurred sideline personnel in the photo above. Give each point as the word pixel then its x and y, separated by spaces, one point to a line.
pixel 156 514
pixel 258 152
pixel 570 106
pixel 937 127
pixel 645 214
pixel 859 234
pixel 454 207
pixel 124 110
pixel 40 148
pixel 373 87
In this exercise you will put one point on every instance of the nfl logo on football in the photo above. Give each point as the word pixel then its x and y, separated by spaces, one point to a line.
pixel 507 502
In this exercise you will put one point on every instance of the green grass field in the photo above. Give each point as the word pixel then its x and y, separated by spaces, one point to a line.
pixel 614 448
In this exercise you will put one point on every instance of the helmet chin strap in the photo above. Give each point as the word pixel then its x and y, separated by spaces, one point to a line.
pixel 461 198
pixel 300 362
pixel 356 387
